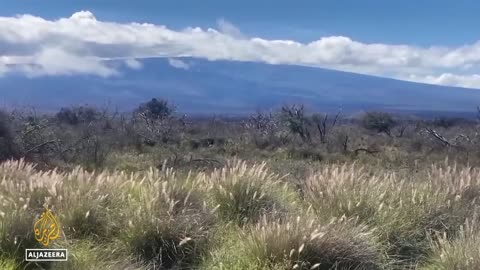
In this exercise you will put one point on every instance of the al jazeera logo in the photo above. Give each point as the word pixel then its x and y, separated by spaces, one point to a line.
pixel 46 230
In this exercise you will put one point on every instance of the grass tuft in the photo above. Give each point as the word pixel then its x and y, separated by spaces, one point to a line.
pixel 299 244
pixel 242 193
pixel 460 253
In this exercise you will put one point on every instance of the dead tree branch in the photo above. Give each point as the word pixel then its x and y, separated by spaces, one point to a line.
pixel 39 145
pixel 439 137
pixel 368 151
pixel 323 128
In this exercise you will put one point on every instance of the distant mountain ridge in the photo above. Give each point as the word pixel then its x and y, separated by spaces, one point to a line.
pixel 202 86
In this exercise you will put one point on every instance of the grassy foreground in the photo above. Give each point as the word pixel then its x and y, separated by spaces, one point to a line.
pixel 243 216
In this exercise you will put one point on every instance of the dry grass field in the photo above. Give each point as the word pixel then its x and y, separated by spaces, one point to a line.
pixel 244 216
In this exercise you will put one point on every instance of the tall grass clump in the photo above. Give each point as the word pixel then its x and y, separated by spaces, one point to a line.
pixel 404 212
pixel 87 255
pixel 461 253
pixel 243 193
pixel 300 243
pixel 90 204
pixel 16 217
pixel 25 193
pixel 85 203
pixel 168 225
pixel 8 264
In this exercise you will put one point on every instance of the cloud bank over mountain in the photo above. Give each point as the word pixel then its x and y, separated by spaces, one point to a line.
pixel 82 44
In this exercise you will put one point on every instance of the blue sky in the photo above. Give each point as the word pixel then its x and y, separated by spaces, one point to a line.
pixel 426 41
pixel 425 22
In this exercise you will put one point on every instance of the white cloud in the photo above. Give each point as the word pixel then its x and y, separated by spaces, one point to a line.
pixel 133 63
pixel 177 63
pixel 469 81
pixel 53 61
pixel 80 44
pixel 228 28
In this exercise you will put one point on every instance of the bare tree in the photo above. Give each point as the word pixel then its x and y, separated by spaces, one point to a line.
pixel 155 122
pixel 297 122
pixel 345 143
pixel 402 130
pixel 322 125
pixel 263 123
pixel 263 127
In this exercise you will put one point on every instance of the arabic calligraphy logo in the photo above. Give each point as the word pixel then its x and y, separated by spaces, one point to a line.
pixel 46 228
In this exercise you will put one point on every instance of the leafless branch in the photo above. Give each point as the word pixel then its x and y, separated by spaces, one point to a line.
pixel 438 137
pixel 368 151
pixel 38 146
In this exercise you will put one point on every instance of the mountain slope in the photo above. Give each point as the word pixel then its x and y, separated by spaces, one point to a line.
pixel 235 87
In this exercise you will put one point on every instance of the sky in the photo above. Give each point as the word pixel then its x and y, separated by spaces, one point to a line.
pixel 425 41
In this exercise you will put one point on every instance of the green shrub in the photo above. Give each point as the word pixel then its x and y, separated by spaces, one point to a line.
pixel 379 122
pixel 156 109
pixel 294 117
pixel 78 115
